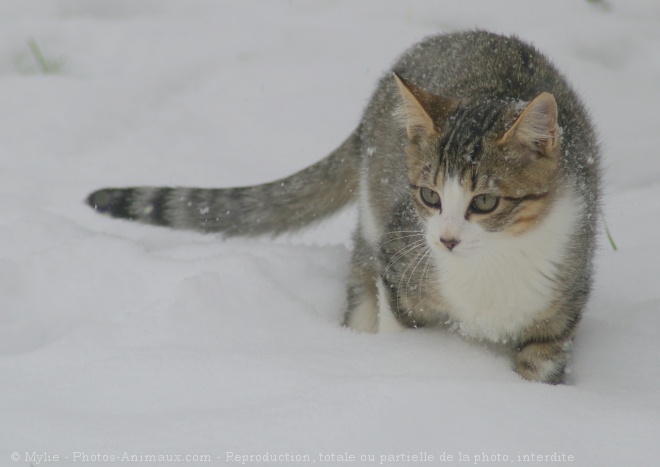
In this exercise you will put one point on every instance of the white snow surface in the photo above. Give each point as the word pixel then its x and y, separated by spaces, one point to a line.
pixel 119 339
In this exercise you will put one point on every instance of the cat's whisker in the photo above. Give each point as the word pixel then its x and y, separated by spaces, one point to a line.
pixel 424 279
pixel 410 264
pixel 421 255
pixel 409 249
pixel 396 236
pixel 414 263
pixel 403 252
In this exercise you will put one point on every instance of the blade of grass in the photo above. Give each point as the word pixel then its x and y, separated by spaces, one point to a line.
pixel 38 56
pixel 607 230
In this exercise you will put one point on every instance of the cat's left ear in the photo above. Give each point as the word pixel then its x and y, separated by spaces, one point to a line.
pixel 421 112
pixel 536 128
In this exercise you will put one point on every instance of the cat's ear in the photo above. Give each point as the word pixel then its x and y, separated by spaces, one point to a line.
pixel 536 128
pixel 421 112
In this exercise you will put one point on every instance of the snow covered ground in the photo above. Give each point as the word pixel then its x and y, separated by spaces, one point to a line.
pixel 125 340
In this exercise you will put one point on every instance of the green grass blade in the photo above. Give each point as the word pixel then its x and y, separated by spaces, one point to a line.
pixel 38 56
pixel 607 230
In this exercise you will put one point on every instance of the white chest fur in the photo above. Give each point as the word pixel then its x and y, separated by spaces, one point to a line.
pixel 497 291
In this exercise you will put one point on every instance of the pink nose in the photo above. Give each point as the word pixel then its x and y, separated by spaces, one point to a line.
pixel 450 243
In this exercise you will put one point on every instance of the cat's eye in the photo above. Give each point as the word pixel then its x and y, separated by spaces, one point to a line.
pixel 430 197
pixel 484 204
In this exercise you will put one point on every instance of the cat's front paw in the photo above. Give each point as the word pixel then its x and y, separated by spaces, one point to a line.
pixel 542 362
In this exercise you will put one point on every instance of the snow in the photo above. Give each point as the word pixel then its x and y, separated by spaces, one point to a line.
pixel 121 339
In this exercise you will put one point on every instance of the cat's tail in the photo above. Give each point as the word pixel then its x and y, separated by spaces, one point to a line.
pixel 284 205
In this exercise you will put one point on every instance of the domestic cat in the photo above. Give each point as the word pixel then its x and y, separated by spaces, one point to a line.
pixel 475 169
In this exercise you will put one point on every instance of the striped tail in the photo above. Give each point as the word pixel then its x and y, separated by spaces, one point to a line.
pixel 284 205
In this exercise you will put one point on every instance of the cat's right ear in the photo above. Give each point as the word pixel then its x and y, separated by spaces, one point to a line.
pixel 536 128
pixel 421 112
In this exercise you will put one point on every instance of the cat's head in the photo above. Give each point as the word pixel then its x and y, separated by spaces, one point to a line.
pixel 479 168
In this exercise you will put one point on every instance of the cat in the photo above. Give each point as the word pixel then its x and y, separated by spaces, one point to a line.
pixel 475 169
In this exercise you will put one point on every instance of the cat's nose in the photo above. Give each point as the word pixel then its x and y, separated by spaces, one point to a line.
pixel 450 243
